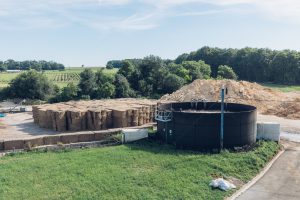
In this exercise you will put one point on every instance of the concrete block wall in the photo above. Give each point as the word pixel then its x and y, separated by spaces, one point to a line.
pixel 130 135
pixel 268 131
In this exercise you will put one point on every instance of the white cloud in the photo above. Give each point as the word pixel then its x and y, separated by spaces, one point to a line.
pixel 275 8
pixel 113 2
pixel 202 13
pixel 138 22
pixel 147 14
pixel 278 8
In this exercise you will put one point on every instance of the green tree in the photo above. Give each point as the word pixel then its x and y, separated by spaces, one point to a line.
pixel 104 87
pixel 127 69
pixel 123 88
pixel 87 82
pixel 4 93
pixel 151 74
pixel 172 83
pixel 69 93
pixel 105 91
pixel 180 71
pixel 197 69
pixel 181 58
pixel 145 89
pixel 31 85
pixel 2 66
pixel 101 77
pixel 114 64
pixel 226 72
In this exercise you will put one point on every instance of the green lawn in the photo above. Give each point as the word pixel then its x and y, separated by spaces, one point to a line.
pixel 61 78
pixel 145 170
pixel 283 88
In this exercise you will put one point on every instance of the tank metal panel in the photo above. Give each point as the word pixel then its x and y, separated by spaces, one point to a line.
pixel 194 127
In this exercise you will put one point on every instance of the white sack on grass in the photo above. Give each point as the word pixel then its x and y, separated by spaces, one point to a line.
pixel 222 184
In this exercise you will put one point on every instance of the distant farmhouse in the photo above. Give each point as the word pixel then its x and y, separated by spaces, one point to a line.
pixel 13 71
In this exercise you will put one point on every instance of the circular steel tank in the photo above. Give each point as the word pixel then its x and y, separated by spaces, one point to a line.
pixel 196 125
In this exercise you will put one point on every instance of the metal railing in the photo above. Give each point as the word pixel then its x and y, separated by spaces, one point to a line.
pixel 163 116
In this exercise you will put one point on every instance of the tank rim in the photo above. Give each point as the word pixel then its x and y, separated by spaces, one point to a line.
pixel 250 107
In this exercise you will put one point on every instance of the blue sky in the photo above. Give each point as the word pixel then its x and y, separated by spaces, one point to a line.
pixel 91 32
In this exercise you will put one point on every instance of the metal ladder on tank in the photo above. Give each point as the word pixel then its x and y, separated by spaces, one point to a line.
pixel 164 116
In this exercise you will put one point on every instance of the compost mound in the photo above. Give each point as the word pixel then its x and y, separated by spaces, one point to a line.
pixel 267 101
pixel 94 115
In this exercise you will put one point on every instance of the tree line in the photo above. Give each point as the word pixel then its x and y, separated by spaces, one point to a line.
pixel 30 64
pixel 251 64
pixel 153 77
pixel 150 77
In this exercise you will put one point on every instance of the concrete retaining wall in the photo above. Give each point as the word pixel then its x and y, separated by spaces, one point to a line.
pixel 57 139
pixel 268 131
pixel 130 135
pixel 52 140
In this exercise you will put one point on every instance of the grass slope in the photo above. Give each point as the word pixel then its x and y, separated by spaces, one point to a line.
pixel 283 88
pixel 137 171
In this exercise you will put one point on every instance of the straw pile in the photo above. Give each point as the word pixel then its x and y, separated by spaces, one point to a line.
pixel 267 101
pixel 94 115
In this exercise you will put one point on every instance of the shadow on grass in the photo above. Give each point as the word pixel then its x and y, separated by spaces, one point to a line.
pixel 157 147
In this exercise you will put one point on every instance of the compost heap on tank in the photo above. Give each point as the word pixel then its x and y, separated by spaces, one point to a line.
pixel 267 101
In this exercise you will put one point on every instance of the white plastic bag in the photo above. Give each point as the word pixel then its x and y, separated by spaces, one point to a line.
pixel 222 184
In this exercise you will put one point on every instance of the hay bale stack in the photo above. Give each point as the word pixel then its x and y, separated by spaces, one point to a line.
pixel 119 117
pixel 76 120
pixel 42 121
pixel 135 117
pixel 94 115
pixel 104 119
pixel 35 114
pixel 109 119
pixel 141 116
pixel 129 115
pixel 94 120
pixel 59 120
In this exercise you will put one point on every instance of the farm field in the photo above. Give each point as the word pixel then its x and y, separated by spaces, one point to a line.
pixel 61 78
pixel 144 170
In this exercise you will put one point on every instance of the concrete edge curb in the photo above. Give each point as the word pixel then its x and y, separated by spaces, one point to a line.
pixel 256 178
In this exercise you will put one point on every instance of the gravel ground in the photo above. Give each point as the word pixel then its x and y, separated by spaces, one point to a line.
pixel 21 126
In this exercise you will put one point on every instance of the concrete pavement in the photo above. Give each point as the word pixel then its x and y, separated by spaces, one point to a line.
pixel 286 125
pixel 282 181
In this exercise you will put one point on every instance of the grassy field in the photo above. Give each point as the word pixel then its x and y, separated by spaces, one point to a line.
pixel 61 78
pixel 145 170
pixel 283 88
